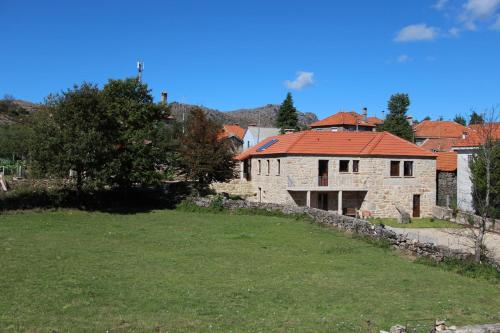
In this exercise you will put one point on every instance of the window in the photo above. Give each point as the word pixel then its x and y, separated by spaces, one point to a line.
pixel 344 166
pixel 259 167
pixel 408 169
pixel 394 168
pixel 279 166
pixel 355 166
pixel 248 144
pixel 268 167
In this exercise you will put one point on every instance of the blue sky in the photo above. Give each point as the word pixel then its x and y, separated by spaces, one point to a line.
pixel 331 55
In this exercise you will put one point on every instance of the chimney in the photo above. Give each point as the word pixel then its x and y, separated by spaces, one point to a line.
pixel 365 114
pixel 164 97
pixel 383 114
pixel 409 119
pixel 464 135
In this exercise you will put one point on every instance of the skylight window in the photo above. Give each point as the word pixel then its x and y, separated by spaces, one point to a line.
pixel 267 145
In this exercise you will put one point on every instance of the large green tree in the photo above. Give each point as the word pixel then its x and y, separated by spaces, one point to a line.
pixel 396 121
pixel 459 119
pixel 71 133
pixel 204 157
pixel 135 124
pixel 287 115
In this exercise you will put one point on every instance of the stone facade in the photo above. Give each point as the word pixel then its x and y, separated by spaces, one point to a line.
pixel 464 183
pixel 446 188
pixel 294 180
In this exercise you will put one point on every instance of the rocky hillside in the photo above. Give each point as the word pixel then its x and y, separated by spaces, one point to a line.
pixel 14 111
pixel 244 117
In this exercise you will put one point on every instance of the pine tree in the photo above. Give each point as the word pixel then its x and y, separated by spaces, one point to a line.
pixel 396 122
pixel 476 118
pixel 460 120
pixel 287 115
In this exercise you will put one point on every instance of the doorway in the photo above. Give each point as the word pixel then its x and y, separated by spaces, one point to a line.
pixel 416 205
pixel 323 173
pixel 323 201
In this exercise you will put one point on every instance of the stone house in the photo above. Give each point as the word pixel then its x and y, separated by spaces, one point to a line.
pixel 438 135
pixel 353 173
pixel 347 121
pixel 255 134
pixel 446 179
pixel 234 133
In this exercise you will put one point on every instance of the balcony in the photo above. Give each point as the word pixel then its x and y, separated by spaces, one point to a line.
pixel 327 183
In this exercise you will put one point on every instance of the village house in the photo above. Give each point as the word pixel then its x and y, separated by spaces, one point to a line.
pixel 347 121
pixel 255 134
pixel 354 173
pixel 234 133
pixel 465 149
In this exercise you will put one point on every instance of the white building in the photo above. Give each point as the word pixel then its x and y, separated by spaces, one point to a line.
pixel 254 135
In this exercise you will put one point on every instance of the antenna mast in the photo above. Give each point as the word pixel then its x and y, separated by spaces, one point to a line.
pixel 140 69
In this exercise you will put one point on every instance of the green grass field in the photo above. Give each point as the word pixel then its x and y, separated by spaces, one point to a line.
pixel 417 223
pixel 173 271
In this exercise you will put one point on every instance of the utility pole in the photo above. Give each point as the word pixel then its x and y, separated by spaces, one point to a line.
pixel 140 69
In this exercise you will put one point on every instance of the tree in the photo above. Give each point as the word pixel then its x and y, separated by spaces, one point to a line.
pixel 135 128
pixel 459 119
pixel 485 177
pixel 476 118
pixel 204 158
pixel 396 122
pixel 14 141
pixel 71 133
pixel 287 115
pixel 427 118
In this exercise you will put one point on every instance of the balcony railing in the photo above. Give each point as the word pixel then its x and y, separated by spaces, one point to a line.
pixel 322 180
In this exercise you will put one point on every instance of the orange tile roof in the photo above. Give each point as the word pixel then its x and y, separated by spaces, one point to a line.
pixel 337 143
pixel 375 120
pixel 439 144
pixel 343 118
pixel 477 133
pixel 446 161
pixel 232 129
pixel 439 129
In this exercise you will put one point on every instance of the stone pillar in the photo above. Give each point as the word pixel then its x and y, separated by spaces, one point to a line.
pixel 308 199
pixel 339 200
pixel 242 170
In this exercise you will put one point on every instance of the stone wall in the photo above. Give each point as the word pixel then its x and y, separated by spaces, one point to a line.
pixel 349 224
pixel 441 327
pixel 446 188
pixel 459 217
pixel 238 187
pixel 380 193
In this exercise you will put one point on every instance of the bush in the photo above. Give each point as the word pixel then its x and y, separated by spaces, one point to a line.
pixel 467 268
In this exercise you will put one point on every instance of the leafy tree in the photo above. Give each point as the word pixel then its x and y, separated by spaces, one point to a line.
pixel 427 118
pixel 71 133
pixel 135 126
pixel 476 118
pixel 459 119
pixel 396 122
pixel 287 115
pixel 204 158
pixel 14 141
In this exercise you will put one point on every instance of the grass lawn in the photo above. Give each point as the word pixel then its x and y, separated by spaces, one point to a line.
pixel 173 271
pixel 417 223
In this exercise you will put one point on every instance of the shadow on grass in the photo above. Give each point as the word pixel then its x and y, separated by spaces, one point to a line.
pixel 131 201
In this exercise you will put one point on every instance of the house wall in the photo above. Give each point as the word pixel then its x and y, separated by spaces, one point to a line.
pixel 446 188
pixel 248 140
pixel 464 183
pixel 383 192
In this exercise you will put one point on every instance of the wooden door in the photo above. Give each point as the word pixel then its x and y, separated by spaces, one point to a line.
pixel 416 205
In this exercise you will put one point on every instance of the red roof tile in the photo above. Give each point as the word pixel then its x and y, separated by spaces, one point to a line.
pixel 446 161
pixel 338 143
pixel 343 118
pixel 439 144
pixel 439 129
pixel 229 129
pixel 477 134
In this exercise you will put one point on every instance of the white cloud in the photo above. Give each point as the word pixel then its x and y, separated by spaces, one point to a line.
pixel 440 4
pixel 403 58
pixel 454 32
pixel 302 80
pixel 481 8
pixel 475 10
pixel 416 32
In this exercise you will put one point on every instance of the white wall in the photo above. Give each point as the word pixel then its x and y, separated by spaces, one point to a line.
pixel 464 183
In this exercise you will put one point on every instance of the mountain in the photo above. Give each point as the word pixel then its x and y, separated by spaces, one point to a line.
pixel 14 111
pixel 243 117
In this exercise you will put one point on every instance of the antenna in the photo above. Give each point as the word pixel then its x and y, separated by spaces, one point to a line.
pixel 140 69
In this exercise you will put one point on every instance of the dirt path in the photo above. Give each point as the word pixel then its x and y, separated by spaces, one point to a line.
pixel 452 238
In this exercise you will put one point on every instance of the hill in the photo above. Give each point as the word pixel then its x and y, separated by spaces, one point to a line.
pixel 244 117
pixel 13 110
